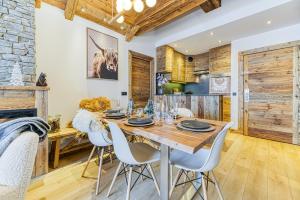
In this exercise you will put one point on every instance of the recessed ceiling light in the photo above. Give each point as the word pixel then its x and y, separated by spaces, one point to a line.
pixel 122 27
pixel 83 9
pixel 211 33
pixel 105 19
pixel 175 45
pixel 269 22
pixel 220 41
pixel 186 51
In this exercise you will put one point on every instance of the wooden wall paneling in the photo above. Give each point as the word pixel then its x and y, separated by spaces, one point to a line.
pixel 220 61
pixel 240 94
pixel 245 103
pixel 296 68
pixel 38 3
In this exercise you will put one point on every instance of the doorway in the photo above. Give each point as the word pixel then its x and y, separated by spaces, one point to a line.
pixel 141 73
pixel 270 93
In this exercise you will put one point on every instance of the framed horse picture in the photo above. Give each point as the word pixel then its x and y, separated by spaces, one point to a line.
pixel 102 56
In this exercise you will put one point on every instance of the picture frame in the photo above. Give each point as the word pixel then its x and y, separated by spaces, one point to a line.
pixel 219 85
pixel 102 56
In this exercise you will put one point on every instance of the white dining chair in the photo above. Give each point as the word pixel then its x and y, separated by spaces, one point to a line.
pixel 87 122
pixel 185 112
pixel 132 155
pixel 203 161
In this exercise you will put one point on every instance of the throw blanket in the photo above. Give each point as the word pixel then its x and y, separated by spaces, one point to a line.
pixel 12 129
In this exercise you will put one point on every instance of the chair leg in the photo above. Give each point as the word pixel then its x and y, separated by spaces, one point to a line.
pixel 88 162
pixel 204 187
pixel 171 174
pixel 141 170
pixel 129 184
pixel 99 169
pixel 175 181
pixel 110 154
pixel 154 178
pixel 217 186
pixel 114 179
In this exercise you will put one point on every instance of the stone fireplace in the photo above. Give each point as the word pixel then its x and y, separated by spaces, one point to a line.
pixel 17 48
pixel 17 39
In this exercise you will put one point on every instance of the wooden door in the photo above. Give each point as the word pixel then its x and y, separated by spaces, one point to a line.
pixel 140 80
pixel 268 94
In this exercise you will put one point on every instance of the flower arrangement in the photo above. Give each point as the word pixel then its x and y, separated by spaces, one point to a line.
pixel 99 104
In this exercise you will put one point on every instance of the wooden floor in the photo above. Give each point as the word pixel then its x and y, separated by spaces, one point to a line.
pixel 251 169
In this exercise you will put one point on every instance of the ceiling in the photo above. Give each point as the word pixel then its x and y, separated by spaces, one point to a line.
pixel 101 12
pixel 284 15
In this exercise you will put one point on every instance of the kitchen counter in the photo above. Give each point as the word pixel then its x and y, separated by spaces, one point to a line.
pixel 203 106
pixel 194 95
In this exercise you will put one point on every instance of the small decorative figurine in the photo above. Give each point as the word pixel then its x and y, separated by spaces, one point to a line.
pixel 42 80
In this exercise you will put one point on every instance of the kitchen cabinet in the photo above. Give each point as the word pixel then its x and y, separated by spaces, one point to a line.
pixel 178 70
pixel 220 61
pixel 190 77
pixel 165 59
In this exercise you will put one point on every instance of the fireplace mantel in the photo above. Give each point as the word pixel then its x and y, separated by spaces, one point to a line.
pixel 24 88
pixel 29 97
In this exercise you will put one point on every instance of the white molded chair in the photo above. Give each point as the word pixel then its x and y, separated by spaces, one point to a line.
pixel 16 165
pixel 184 112
pixel 132 155
pixel 204 160
pixel 87 122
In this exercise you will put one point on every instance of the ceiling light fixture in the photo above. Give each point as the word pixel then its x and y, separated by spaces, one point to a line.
pixel 269 22
pixel 127 5
pixel 138 6
pixel 220 41
pixel 150 3
pixel 119 6
pixel 120 20
pixel 175 45
pixel 211 33
pixel 186 51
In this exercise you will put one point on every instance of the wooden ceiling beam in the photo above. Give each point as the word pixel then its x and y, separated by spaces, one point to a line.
pixel 70 9
pixel 210 5
pixel 169 14
pixel 131 32
pixel 38 3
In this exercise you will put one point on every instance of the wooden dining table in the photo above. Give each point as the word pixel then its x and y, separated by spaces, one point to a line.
pixel 170 137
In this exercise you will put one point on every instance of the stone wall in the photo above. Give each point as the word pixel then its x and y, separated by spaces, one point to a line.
pixel 17 39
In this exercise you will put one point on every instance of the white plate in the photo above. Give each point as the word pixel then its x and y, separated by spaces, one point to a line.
pixel 212 128
pixel 138 125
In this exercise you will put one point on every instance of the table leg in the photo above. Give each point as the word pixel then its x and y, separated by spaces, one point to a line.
pixel 56 154
pixel 164 172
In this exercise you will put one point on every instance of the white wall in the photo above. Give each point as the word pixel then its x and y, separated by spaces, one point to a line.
pixel 61 54
pixel 287 34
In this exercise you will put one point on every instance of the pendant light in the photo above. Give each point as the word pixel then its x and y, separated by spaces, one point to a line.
pixel 127 5
pixel 150 3
pixel 138 6
pixel 119 6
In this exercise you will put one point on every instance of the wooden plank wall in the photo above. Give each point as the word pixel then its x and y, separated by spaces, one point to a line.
pixel 205 107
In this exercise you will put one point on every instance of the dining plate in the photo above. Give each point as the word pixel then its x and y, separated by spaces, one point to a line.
pixel 115 115
pixel 195 124
pixel 140 121
pixel 139 125
pixel 211 128
pixel 113 111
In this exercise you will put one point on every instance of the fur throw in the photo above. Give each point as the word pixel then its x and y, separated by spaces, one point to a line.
pixel 86 121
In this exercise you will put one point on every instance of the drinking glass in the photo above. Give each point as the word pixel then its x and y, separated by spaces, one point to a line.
pixel 139 112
